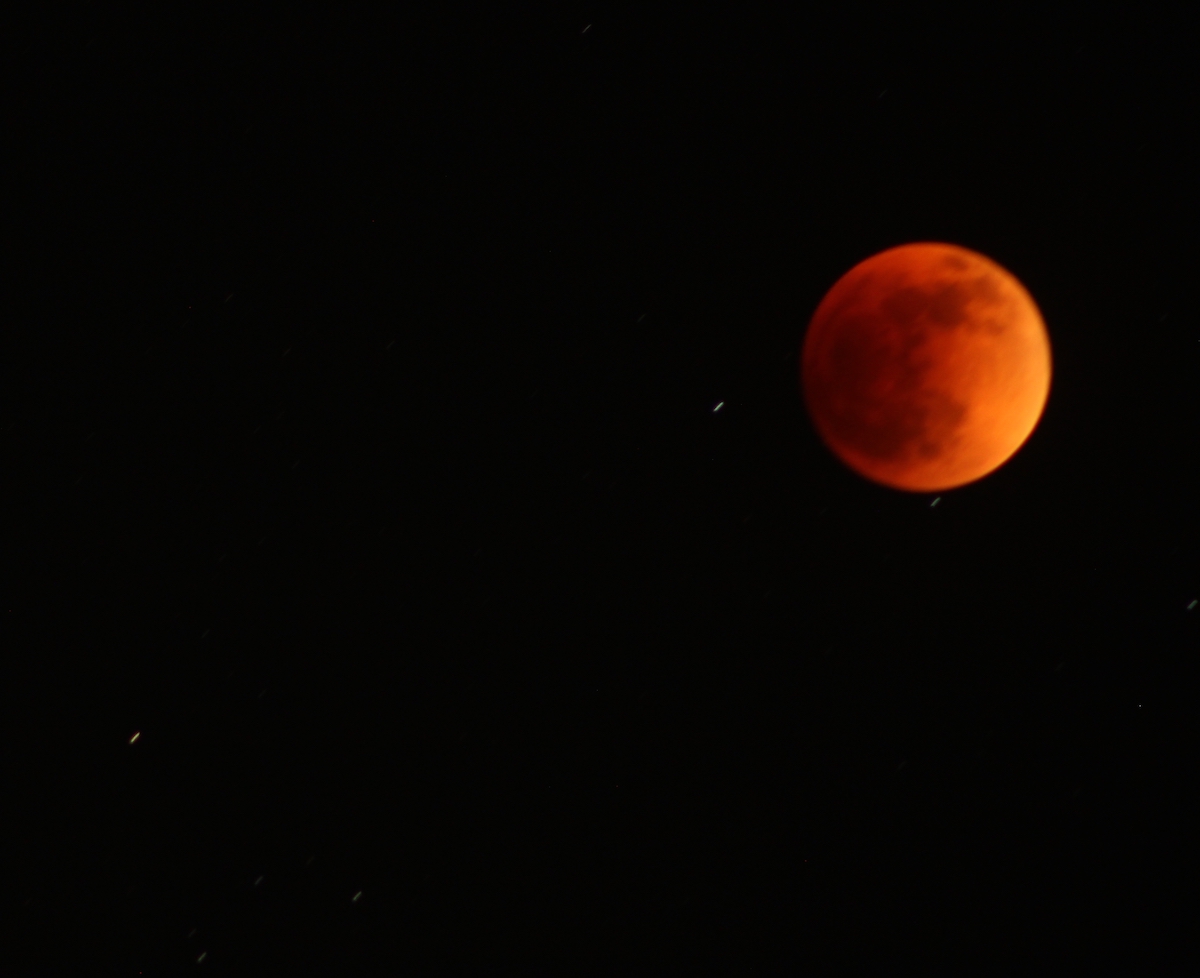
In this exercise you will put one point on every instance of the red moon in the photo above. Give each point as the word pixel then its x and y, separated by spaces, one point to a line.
pixel 926 367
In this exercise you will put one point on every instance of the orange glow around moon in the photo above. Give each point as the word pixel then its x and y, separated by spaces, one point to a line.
pixel 926 367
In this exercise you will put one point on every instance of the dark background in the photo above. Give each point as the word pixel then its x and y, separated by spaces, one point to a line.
pixel 358 389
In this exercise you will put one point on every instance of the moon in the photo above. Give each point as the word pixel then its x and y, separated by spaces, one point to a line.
pixel 926 367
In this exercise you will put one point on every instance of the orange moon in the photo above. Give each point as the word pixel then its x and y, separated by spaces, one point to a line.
pixel 926 367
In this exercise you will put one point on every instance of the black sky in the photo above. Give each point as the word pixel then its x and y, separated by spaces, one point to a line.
pixel 359 387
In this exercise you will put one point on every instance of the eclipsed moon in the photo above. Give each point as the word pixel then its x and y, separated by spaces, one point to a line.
pixel 926 367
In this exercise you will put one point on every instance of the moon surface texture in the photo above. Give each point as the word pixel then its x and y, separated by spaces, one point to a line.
pixel 926 367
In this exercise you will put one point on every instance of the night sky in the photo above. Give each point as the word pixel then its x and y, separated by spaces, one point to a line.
pixel 359 394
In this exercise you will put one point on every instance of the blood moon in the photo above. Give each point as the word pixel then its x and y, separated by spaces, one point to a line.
pixel 926 367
